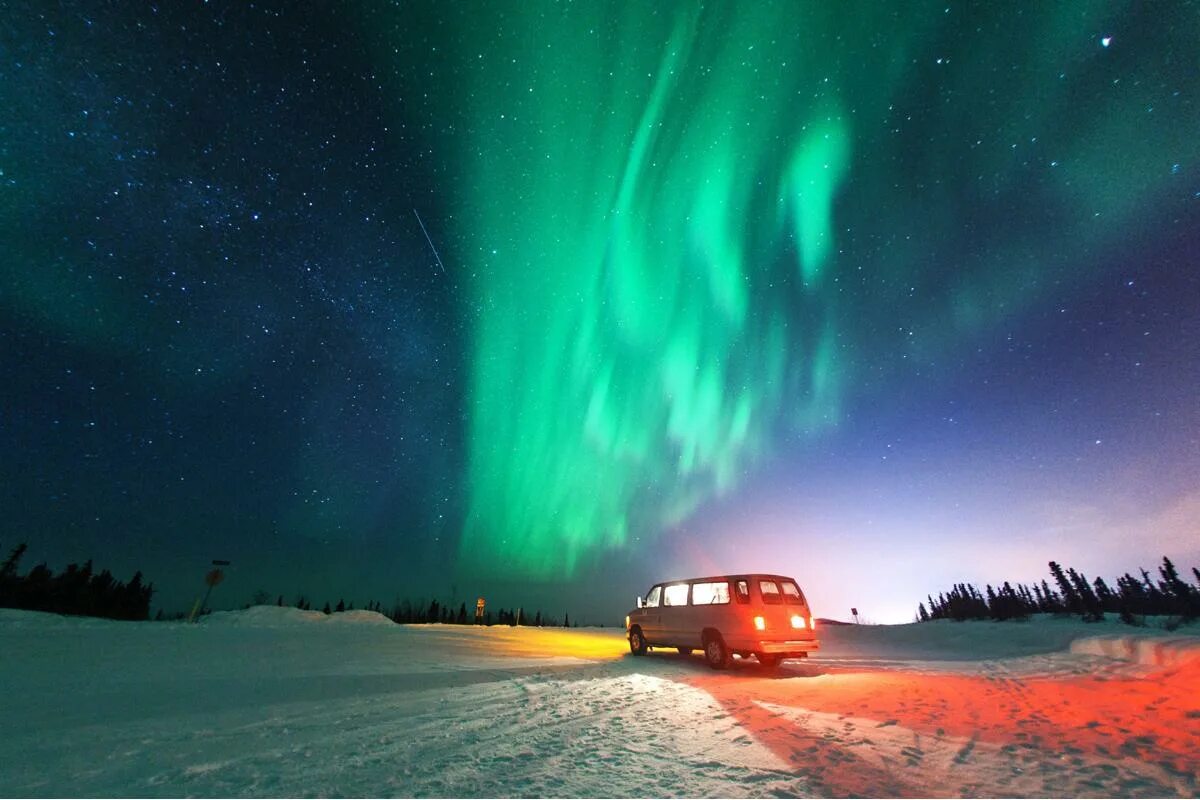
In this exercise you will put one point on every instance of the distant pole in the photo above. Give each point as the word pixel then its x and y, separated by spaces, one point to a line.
pixel 213 577
pixel 479 606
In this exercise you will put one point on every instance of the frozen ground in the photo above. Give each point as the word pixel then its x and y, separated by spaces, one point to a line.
pixel 280 702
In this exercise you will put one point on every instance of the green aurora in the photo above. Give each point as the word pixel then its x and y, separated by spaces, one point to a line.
pixel 691 235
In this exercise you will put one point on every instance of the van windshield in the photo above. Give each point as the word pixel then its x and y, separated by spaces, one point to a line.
pixel 792 594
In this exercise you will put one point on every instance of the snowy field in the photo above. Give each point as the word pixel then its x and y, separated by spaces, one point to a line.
pixel 282 702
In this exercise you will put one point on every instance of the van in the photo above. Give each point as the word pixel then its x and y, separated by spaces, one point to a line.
pixel 765 616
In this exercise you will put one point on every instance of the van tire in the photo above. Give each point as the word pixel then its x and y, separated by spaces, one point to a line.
pixel 637 642
pixel 715 651
pixel 684 651
pixel 768 661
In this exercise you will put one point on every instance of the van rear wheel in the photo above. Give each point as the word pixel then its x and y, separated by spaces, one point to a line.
pixel 715 652
pixel 637 642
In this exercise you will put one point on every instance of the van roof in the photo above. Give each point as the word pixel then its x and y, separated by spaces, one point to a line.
pixel 732 577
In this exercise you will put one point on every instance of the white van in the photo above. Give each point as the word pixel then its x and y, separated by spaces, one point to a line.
pixel 761 615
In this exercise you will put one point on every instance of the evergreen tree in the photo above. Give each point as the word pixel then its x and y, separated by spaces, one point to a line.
pixel 566 620
pixel 995 611
pixel 1087 598
pixel 1108 600
pixel 1070 594
pixel 9 567
pixel 922 614
pixel 1155 601
pixel 1184 600
pixel 1054 603
pixel 326 609
pixel 341 606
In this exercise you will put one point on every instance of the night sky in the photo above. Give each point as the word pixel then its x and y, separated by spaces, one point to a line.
pixel 884 296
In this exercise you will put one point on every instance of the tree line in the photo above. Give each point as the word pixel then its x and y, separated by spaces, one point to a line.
pixel 1132 598
pixel 407 612
pixel 76 590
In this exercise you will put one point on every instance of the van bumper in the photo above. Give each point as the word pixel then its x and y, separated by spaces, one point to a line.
pixel 784 648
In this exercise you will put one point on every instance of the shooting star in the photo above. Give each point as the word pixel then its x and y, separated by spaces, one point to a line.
pixel 431 247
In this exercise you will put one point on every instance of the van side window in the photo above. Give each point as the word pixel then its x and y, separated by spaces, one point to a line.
pixel 770 592
pixel 652 598
pixel 708 594
pixel 792 595
pixel 743 591
pixel 675 594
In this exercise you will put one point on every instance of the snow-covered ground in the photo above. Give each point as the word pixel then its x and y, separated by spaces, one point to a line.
pixel 282 702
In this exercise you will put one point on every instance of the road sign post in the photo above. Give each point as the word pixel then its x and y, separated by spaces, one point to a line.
pixel 211 579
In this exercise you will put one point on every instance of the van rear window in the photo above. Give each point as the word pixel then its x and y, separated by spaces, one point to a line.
pixel 708 594
pixel 743 591
pixel 791 594
pixel 770 592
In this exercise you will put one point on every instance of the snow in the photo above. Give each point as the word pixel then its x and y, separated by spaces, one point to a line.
pixel 280 702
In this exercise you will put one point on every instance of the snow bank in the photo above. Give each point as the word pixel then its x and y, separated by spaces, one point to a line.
pixel 1148 650
pixel 288 617
pixel 15 618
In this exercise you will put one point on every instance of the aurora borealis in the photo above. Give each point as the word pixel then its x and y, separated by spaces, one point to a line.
pixel 697 286
pixel 721 283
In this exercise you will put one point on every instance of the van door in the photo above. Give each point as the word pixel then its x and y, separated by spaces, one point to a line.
pixel 711 607
pixel 675 614
pixel 650 616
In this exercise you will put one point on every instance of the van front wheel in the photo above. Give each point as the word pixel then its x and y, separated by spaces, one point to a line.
pixel 715 652
pixel 637 642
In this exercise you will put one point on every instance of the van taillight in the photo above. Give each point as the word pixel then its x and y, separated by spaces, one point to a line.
pixel 812 624
pixel 797 621
pixel 760 623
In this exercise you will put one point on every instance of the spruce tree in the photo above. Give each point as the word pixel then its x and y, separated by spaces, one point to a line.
pixel 1108 601
pixel 9 567
pixel 1070 594
pixel 1183 598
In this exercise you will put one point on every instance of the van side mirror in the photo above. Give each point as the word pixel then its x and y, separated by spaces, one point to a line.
pixel 639 601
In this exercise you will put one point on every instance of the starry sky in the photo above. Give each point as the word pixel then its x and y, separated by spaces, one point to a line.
pixel 550 301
